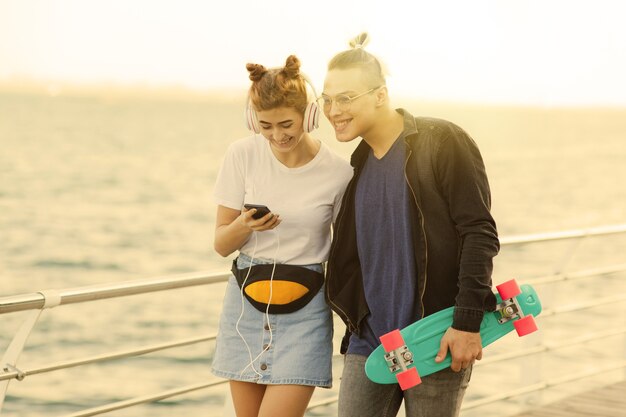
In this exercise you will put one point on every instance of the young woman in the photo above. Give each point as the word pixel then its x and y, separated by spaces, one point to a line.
pixel 275 334
pixel 414 236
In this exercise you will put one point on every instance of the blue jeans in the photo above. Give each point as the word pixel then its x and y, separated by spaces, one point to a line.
pixel 439 395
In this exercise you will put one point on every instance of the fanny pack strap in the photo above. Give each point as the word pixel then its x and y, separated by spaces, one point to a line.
pixel 312 280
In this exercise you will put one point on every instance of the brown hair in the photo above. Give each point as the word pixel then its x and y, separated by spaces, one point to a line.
pixel 358 57
pixel 277 87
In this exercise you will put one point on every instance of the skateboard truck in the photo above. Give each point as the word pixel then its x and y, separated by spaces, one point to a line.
pixel 511 309
pixel 399 359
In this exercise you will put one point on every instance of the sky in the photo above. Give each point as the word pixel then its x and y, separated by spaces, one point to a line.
pixel 535 52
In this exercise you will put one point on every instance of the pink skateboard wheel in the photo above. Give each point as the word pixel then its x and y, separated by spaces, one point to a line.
pixel 408 379
pixel 525 325
pixel 508 289
pixel 392 340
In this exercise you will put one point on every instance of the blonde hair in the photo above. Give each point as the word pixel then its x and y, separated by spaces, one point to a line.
pixel 358 57
pixel 278 87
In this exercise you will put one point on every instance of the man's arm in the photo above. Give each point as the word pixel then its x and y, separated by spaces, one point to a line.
pixel 463 181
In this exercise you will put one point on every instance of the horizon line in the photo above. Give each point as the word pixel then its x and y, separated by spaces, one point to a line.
pixel 117 89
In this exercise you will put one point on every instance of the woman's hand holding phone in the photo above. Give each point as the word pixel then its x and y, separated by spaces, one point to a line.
pixel 259 218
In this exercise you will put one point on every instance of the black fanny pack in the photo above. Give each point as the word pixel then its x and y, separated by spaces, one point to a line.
pixel 291 288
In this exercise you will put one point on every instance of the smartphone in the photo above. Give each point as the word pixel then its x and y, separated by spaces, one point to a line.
pixel 261 210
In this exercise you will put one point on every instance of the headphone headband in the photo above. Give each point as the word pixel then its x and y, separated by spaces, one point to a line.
pixel 308 81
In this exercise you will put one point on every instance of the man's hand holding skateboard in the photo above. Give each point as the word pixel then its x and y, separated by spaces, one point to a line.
pixel 464 347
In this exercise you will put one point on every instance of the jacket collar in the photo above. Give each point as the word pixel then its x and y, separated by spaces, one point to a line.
pixel 362 150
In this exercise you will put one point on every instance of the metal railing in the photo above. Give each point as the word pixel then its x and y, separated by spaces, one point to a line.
pixel 36 302
pixel 567 234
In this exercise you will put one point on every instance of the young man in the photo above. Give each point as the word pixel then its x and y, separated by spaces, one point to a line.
pixel 414 236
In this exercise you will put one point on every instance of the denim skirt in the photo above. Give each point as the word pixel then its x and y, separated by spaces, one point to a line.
pixel 294 348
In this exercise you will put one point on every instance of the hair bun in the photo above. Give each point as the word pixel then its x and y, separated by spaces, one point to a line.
pixel 292 67
pixel 360 41
pixel 256 71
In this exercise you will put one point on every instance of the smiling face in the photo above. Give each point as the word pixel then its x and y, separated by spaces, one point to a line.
pixel 282 127
pixel 358 118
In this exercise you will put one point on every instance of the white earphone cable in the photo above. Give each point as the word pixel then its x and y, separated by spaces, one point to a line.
pixel 243 309
pixel 267 315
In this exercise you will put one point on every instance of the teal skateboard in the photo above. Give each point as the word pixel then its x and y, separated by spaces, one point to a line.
pixel 405 355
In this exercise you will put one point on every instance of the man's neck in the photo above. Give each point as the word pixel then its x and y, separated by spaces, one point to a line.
pixel 385 131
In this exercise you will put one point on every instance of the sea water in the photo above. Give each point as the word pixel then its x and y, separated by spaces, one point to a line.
pixel 97 189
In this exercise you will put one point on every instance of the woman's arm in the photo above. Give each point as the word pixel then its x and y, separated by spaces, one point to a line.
pixel 234 227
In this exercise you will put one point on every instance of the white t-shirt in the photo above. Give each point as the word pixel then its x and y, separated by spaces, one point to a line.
pixel 307 198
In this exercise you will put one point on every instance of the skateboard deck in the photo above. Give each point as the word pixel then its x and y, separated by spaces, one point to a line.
pixel 405 355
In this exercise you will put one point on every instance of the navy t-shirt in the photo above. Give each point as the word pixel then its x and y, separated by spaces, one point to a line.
pixel 385 247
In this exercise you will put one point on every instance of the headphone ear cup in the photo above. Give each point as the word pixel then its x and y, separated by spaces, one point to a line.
pixel 311 117
pixel 250 119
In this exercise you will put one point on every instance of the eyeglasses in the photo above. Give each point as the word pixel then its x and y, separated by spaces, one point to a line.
pixel 342 101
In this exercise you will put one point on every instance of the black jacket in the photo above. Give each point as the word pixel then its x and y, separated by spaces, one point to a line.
pixel 454 233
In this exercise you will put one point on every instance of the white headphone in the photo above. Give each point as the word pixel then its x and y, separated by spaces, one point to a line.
pixel 309 122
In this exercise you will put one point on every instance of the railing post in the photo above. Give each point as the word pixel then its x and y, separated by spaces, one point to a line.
pixel 9 360
pixel 13 352
pixel 532 368
pixel 624 353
